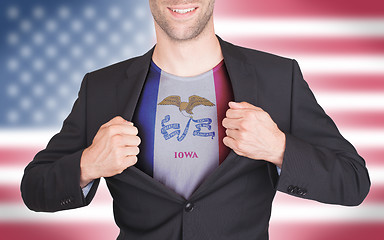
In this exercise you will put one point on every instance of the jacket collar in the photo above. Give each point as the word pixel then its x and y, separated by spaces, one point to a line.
pixel 242 74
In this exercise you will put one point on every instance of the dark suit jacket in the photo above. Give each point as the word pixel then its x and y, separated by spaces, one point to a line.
pixel 234 202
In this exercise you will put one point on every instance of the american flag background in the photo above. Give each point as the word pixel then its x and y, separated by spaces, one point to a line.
pixel 48 46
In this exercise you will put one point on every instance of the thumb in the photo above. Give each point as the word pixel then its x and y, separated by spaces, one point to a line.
pixel 241 105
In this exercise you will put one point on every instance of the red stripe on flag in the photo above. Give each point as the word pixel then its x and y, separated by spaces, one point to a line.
pixel 319 46
pixel 278 231
pixel 10 194
pixel 373 156
pixel 298 8
pixel 366 120
pixel 326 231
pixel 59 231
pixel 345 83
pixel 17 156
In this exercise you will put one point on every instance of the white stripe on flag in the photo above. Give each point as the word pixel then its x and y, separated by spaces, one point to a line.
pixel 339 64
pixel 364 138
pixel 92 213
pixel 327 213
pixel 26 137
pixel 351 101
pixel 299 27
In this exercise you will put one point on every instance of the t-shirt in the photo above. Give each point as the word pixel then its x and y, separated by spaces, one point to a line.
pixel 179 122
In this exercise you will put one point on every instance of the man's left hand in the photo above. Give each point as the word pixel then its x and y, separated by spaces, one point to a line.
pixel 252 133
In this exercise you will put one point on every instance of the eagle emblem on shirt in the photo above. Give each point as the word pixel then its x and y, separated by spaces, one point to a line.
pixel 193 101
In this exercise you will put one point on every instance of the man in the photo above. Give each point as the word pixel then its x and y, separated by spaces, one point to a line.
pixel 216 124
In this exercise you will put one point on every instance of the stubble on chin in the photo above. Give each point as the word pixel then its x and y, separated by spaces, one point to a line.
pixel 191 32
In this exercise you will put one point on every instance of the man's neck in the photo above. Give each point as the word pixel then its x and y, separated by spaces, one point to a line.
pixel 187 58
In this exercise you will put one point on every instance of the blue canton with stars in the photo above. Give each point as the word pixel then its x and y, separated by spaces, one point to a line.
pixel 48 46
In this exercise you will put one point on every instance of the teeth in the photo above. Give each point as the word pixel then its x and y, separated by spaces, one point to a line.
pixel 182 11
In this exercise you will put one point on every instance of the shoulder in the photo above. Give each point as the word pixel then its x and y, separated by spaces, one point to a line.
pixel 112 72
pixel 256 57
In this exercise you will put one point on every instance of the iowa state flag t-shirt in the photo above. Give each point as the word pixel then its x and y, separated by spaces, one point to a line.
pixel 179 122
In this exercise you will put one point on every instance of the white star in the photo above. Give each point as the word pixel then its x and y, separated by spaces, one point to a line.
pixel 64 12
pixel 25 103
pixel 140 13
pixel 38 116
pixel 89 38
pixel 50 103
pixel 38 64
pixel 38 90
pixel 101 25
pixel 25 51
pixel 13 38
pixel 25 25
pixel 13 64
pixel 51 77
pixel 76 51
pixel 25 77
pixel 13 12
pixel 38 38
pixel 51 51
pixel 89 12
pixel 13 90
pixel 63 64
pixel 76 25
pixel 114 12
pixel 51 25
pixel 63 38
pixel 13 116
pixel 127 25
pixel 38 12
pixel 114 38
pixel 101 51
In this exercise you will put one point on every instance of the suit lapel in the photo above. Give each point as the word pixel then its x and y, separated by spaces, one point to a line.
pixel 243 75
pixel 129 89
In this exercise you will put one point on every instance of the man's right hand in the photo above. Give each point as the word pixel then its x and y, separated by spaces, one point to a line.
pixel 113 149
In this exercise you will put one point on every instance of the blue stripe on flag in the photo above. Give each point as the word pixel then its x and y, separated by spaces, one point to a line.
pixel 145 118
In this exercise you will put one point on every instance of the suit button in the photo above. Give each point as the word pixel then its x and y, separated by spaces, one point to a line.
pixel 189 207
pixel 302 192
pixel 291 189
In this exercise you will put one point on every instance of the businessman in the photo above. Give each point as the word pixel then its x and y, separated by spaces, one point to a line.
pixel 194 138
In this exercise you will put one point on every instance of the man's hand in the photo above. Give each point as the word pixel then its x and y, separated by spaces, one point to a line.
pixel 113 149
pixel 252 133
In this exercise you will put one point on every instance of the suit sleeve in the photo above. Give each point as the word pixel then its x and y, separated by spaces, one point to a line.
pixel 319 163
pixel 51 182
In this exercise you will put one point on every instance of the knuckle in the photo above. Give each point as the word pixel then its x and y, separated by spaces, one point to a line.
pixel 132 160
pixel 243 125
pixel 116 139
pixel 242 135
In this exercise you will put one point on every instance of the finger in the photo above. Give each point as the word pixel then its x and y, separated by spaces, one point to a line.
pixel 131 160
pixel 117 120
pixel 242 105
pixel 232 144
pixel 128 140
pixel 231 123
pixel 236 113
pixel 130 151
pixel 234 134
pixel 121 129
